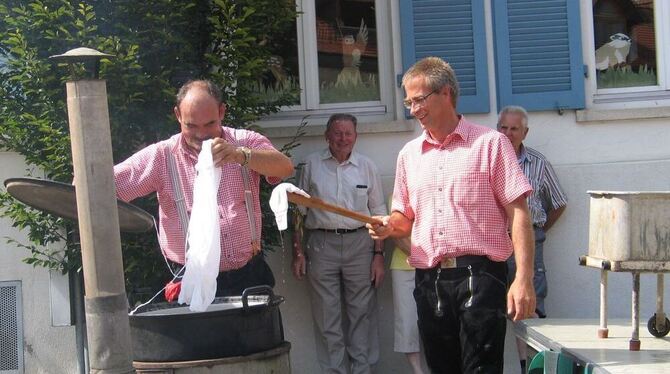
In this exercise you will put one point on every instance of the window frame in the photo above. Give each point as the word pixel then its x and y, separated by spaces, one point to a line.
pixel 641 93
pixel 381 110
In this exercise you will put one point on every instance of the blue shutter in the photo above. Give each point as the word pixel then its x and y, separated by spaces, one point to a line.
pixel 453 30
pixel 539 54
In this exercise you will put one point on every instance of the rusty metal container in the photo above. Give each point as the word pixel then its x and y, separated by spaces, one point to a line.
pixel 630 226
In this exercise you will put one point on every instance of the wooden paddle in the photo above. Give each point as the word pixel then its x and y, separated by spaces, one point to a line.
pixel 316 203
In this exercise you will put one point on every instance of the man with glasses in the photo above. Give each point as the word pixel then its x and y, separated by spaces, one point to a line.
pixel 546 203
pixel 458 189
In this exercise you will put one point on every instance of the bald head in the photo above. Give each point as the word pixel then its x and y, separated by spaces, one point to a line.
pixel 513 122
pixel 201 84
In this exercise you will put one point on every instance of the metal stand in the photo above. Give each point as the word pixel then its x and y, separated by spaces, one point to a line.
pixel 658 324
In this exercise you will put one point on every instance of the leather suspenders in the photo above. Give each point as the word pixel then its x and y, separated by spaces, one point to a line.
pixel 181 202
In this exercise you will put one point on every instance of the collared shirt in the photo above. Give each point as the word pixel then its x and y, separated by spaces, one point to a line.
pixel 455 193
pixel 547 193
pixel 146 172
pixel 353 184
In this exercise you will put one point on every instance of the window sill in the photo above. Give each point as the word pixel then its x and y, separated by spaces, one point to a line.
pixel 319 129
pixel 595 115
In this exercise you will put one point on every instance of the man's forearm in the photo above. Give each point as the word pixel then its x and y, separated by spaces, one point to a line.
pixel 402 226
pixel 522 237
pixel 524 249
pixel 270 163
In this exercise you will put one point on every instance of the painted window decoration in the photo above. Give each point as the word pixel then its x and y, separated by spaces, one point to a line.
pixel 346 43
pixel 625 43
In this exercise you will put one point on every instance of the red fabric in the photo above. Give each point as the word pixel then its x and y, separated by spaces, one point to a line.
pixel 456 192
pixel 172 290
pixel 146 172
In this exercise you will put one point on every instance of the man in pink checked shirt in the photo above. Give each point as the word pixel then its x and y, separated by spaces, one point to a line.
pixel 458 190
pixel 199 110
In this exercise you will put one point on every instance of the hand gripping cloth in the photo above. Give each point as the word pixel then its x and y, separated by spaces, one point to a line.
pixel 279 202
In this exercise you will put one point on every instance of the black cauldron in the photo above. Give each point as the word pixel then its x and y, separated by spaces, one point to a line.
pixel 231 326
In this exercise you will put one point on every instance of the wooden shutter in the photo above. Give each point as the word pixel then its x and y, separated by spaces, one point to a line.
pixel 538 54
pixel 453 30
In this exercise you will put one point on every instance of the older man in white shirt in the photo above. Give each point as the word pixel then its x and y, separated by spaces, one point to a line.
pixel 342 263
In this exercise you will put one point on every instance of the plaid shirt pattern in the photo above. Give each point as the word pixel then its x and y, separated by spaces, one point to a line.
pixel 455 193
pixel 146 172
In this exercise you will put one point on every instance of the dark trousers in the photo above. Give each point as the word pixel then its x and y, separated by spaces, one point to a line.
pixel 462 317
pixel 255 273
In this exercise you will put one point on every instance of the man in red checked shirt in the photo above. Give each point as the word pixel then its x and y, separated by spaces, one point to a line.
pixel 168 168
pixel 458 190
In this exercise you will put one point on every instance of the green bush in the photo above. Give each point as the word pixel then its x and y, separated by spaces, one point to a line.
pixel 158 45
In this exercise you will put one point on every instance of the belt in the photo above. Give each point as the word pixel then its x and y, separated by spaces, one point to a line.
pixel 462 261
pixel 341 231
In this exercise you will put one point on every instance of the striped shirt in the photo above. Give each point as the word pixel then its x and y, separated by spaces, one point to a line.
pixel 455 194
pixel 547 193
pixel 146 172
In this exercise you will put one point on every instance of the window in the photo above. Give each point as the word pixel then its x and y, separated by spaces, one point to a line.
pixel 337 58
pixel 627 40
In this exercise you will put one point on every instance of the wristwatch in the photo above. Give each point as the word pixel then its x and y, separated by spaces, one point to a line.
pixel 246 151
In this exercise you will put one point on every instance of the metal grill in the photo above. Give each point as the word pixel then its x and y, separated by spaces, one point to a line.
pixel 11 334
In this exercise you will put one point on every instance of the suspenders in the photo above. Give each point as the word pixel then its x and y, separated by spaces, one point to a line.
pixel 181 202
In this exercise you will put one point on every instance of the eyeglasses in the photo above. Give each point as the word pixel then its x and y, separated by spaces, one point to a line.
pixel 419 100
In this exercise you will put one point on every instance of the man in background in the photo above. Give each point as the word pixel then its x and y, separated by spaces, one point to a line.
pixel 344 266
pixel 546 203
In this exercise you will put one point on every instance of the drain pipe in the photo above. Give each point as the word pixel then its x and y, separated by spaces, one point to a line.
pixel 77 307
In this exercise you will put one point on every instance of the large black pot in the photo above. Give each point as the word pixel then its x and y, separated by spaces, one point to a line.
pixel 231 326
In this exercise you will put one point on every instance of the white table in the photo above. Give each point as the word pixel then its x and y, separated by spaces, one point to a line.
pixel 577 339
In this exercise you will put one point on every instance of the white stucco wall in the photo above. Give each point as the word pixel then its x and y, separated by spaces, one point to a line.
pixel 46 349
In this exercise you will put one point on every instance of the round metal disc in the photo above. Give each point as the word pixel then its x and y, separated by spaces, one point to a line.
pixel 60 200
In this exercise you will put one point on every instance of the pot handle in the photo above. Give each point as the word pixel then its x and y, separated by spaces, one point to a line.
pixel 256 290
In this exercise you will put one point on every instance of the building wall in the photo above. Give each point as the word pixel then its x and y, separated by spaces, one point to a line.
pixel 46 349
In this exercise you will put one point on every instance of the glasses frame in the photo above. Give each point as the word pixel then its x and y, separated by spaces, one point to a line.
pixel 419 101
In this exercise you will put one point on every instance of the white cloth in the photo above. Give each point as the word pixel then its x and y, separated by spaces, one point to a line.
pixel 198 287
pixel 279 202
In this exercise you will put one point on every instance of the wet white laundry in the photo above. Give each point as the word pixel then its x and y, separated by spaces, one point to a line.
pixel 279 202
pixel 198 286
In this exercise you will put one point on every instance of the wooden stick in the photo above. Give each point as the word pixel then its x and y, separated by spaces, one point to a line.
pixel 316 203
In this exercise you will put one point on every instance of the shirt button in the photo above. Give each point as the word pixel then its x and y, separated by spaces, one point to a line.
pixel 441 233
pixel 439 189
pixel 439 210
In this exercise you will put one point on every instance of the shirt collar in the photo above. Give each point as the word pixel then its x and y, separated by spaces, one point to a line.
pixel 461 131
pixel 353 157
pixel 523 155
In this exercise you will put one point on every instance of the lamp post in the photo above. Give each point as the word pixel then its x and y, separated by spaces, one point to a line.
pixel 106 305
